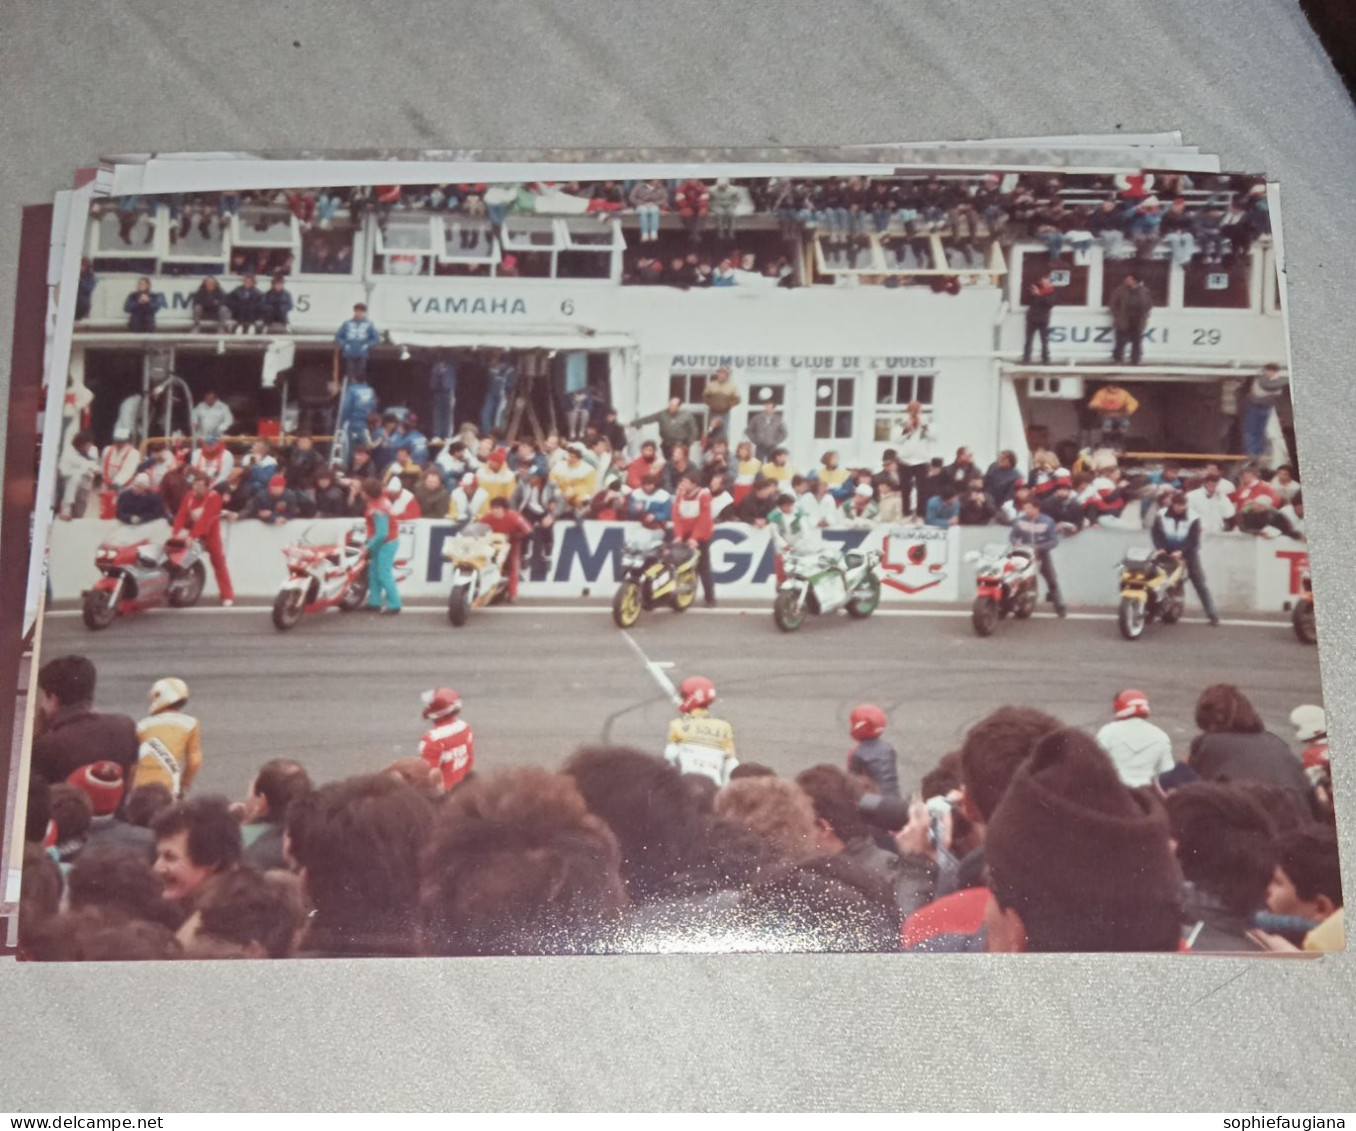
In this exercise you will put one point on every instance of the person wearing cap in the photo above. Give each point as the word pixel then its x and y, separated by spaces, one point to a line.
pixel 403 505
pixel 1140 750
pixel 861 509
pixel 355 339
pixel 212 458
pixel 496 477
pixel 1176 532
pixel 276 504
pixel 199 516
pixel 104 783
pixel 138 503
pixel 576 479
pixel 170 753
pixel 383 534
pixel 1076 860
pixel 468 501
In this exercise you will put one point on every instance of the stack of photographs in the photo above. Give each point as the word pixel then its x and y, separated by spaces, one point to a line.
pixel 602 552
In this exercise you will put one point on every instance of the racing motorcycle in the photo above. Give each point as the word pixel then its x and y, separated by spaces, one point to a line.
pixel 1302 617
pixel 1153 587
pixel 322 575
pixel 654 573
pixel 820 580
pixel 479 560
pixel 1005 582
pixel 137 574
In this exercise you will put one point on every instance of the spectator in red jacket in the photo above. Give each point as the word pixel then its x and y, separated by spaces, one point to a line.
pixel 1258 505
pixel 502 519
pixel 694 201
pixel 649 462
pixel 693 523
pixel 200 515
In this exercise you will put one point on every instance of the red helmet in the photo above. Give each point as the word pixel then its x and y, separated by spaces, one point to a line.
pixel 867 721
pixel 440 703
pixel 696 692
pixel 1132 704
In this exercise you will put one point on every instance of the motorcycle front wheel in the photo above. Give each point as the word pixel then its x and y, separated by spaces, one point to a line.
pixel 1131 618
pixel 1026 603
pixel 99 609
pixel 788 612
pixel 287 607
pixel 459 605
pixel 865 597
pixel 984 616
pixel 185 590
pixel 626 603
pixel 1302 620
pixel 356 595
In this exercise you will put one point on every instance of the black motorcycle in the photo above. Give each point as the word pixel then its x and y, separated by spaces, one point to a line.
pixel 654 573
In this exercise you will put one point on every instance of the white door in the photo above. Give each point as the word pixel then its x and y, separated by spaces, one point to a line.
pixel 835 424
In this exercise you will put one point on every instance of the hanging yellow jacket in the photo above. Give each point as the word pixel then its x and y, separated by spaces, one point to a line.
pixel 171 751
pixel 498 484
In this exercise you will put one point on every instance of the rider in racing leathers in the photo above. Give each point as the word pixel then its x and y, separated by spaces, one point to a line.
pixel 698 743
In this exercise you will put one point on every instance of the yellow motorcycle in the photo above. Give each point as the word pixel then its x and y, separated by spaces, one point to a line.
pixel 653 574
pixel 1153 587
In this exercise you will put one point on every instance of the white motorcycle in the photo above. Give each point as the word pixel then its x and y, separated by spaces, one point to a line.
pixel 821 580
pixel 1005 583
pixel 479 557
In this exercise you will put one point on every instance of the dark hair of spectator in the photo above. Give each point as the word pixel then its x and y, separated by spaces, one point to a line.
pixel 39 892
pixel 835 801
pixel 518 864
pixel 118 878
pixel 72 811
pixel 145 802
pixel 826 903
pixel 752 770
pixel 372 488
pixel 359 842
pixel 213 832
pixel 1283 806
pixel 1222 707
pixel 70 679
pixel 102 936
pixel 993 749
pixel 1309 857
pixel 702 790
pixel 280 782
pixel 1225 842
pixel 245 907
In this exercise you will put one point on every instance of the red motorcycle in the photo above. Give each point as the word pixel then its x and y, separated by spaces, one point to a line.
pixel 1005 583
pixel 320 576
pixel 138 574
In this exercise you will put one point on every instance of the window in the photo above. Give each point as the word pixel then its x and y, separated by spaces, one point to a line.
pixel 689 387
pixel 760 394
pixel 894 393
pixel 264 225
pixel 327 251
pixel 124 229
pixel 1226 287
pixel 834 397
pixel 469 240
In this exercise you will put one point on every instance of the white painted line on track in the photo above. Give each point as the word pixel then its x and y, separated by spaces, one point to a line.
pixel 655 668
pixel 601 610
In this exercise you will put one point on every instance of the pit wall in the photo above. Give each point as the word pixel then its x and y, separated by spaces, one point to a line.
pixel 919 565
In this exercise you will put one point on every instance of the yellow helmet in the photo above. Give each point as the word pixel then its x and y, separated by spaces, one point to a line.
pixel 167 693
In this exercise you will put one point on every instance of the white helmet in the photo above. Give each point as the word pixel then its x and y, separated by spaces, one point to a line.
pixel 167 693
pixel 1310 722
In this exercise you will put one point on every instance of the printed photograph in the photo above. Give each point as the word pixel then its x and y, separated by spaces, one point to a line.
pixel 907 563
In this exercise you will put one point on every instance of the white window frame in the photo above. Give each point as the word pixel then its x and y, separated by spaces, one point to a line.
pixel 241 238
pixel 698 407
pixel 835 409
pixel 897 411
pixel 448 253
pixel 158 215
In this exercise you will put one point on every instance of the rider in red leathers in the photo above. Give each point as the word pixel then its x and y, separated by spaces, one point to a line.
pixel 450 746
pixel 502 519
pixel 200 515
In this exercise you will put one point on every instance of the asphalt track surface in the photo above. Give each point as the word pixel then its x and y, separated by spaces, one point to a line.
pixel 340 692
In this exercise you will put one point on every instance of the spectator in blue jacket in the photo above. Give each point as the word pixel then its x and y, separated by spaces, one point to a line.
pixel 355 339
pixel 138 503
pixel 275 504
pixel 141 307
pixel 409 436
pixel 943 508
pixel 1002 479
pixel 247 306
pixel 650 503
pixel 442 385
pixel 1037 532
pixel 277 306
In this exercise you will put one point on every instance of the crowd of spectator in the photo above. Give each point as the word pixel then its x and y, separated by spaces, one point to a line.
pixel 1213 220
pixel 1032 835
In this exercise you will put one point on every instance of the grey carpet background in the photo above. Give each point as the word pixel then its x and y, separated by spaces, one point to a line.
pixel 1245 78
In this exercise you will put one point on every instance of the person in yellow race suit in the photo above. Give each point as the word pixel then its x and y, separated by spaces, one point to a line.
pixel 171 741
pixel 698 743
